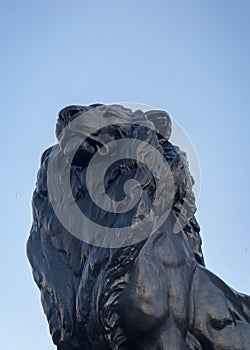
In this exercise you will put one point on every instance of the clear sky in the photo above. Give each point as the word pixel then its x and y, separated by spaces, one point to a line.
pixel 189 57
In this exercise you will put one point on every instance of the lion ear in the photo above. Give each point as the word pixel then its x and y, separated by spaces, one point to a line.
pixel 162 122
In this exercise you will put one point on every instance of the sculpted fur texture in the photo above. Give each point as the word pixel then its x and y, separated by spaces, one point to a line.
pixel 146 293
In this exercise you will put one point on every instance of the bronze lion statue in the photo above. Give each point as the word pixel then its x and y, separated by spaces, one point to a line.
pixel 125 290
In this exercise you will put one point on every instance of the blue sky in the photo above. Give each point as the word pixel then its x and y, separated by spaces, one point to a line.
pixel 188 57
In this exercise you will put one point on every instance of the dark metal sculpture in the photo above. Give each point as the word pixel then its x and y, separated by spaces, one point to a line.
pixel 154 294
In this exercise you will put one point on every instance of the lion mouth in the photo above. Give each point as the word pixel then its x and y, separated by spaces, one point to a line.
pixel 66 114
pixel 69 113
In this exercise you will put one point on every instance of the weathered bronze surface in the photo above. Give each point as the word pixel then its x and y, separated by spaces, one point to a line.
pixel 155 294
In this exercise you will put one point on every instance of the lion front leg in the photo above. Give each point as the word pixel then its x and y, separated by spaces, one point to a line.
pixel 167 339
pixel 170 339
